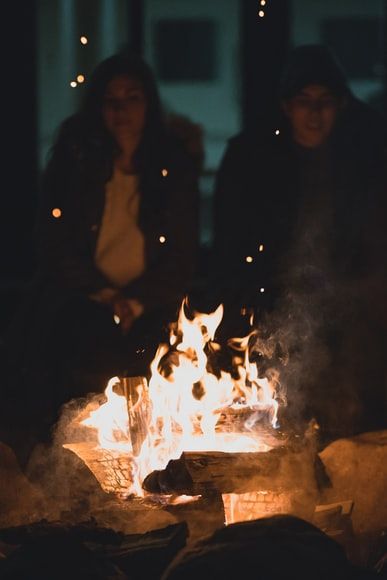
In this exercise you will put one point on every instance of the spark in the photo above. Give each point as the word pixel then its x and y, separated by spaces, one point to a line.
pixel 56 212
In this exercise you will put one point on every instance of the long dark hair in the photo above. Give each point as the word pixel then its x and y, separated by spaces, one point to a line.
pixel 134 66
pixel 87 127
pixel 85 137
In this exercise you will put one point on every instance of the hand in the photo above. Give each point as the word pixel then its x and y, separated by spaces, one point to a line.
pixel 122 309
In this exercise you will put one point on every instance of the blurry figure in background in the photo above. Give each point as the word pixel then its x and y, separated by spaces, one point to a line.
pixel 300 235
pixel 117 240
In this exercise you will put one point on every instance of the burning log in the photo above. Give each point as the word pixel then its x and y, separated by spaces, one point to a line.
pixel 136 394
pixel 278 469
pixel 112 469
pixel 194 473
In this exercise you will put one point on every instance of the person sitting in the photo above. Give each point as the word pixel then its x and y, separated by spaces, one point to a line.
pixel 116 241
pixel 299 233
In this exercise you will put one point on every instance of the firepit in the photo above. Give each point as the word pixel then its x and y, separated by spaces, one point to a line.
pixel 197 431
pixel 194 445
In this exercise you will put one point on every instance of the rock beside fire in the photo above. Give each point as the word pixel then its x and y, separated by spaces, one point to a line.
pixel 72 493
pixel 357 468
pixel 280 546
pixel 20 501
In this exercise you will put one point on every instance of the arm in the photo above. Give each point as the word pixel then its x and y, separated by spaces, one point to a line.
pixel 65 254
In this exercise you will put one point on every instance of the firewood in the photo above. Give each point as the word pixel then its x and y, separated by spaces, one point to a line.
pixel 136 392
pixel 193 473
pixel 112 469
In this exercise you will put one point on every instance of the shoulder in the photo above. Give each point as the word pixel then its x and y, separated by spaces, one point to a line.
pixel 70 131
pixel 68 141
pixel 257 146
pixel 174 154
pixel 242 141
pixel 188 136
pixel 82 147
pixel 237 149
pixel 364 124
pixel 82 135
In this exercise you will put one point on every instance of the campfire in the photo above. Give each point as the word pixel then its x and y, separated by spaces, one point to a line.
pixel 181 459
pixel 194 428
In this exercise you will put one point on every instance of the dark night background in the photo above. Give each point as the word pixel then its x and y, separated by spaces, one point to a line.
pixel 260 46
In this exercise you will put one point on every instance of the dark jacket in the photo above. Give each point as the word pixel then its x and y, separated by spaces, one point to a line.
pixel 261 189
pixel 74 182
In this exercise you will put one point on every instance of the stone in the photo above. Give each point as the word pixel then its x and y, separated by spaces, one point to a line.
pixel 357 468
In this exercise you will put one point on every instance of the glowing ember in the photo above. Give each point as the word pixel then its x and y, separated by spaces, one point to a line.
pixel 257 504
pixel 187 406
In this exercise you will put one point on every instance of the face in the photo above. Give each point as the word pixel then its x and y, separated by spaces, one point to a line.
pixel 312 114
pixel 124 108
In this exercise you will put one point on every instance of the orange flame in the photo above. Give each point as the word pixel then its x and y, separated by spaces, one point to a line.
pixel 188 402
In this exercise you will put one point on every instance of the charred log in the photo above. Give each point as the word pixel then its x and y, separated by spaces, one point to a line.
pixel 278 469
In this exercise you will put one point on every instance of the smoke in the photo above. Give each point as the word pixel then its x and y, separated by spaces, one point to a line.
pixel 325 348
pixel 71 491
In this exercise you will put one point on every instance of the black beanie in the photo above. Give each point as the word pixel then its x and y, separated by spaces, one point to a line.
pixel 312 64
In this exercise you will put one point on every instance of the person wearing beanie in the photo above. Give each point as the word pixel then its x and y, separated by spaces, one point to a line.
pixel 313 92
pixel 299 241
